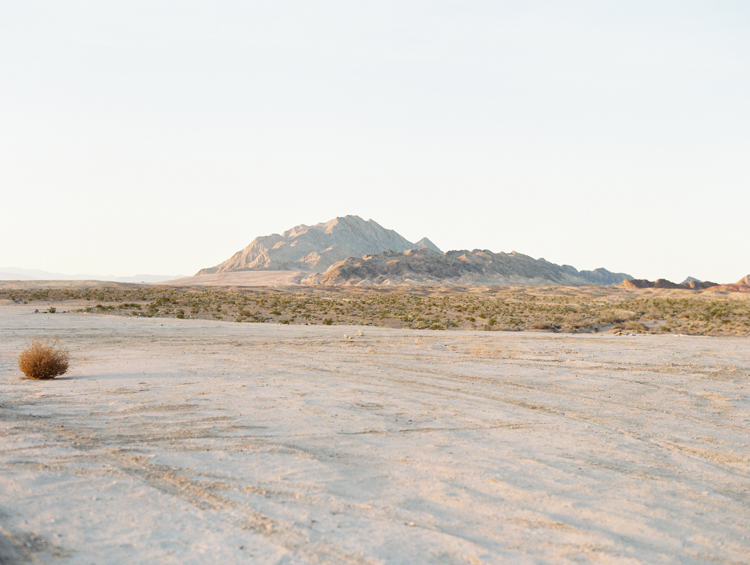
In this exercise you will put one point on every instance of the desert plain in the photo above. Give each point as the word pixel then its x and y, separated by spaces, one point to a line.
pixel 210 441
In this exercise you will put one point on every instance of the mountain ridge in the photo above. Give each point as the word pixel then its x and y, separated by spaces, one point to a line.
pixel 462 267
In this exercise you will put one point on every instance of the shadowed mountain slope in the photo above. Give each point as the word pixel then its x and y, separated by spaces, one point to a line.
pixel 478 267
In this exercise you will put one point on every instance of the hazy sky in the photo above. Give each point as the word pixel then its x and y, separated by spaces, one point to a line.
pixel 161 137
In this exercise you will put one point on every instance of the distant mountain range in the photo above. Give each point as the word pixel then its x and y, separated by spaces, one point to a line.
pixel 16 274
pixel 742 285
pixel 351 251
pixel 688 284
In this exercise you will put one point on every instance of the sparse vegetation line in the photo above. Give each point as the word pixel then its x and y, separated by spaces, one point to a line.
pixel 590 309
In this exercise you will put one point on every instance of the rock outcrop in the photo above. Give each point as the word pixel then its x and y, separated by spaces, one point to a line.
pixel 478 267
pixel 315 248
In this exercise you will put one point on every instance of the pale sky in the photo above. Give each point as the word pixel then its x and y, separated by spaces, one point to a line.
pixel 161 137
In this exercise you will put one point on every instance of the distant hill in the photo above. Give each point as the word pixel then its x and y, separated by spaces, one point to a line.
pixel 693 284
pixel 16 274
pixel 478 267
pixel 742 285
pixel 315 248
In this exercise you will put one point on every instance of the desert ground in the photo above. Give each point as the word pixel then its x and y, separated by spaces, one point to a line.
pixel 240 278
pixel 205 441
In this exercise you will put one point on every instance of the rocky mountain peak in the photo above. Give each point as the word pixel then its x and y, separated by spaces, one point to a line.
pixel 314 248
pixel 425 243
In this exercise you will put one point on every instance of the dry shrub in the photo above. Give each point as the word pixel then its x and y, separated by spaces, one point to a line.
pixel 616 316
pixel 43 359
pixel 635 327
pixel 544 325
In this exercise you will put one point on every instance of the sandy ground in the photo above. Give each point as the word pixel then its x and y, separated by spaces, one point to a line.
pixel 190 441
pixel 240 278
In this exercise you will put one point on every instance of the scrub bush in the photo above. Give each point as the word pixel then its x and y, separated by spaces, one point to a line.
pixel 43 359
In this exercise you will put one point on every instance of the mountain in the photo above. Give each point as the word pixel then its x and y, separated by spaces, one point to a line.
pixel 16 274
pixel 315 248
pixel 349 250
pixel 479 267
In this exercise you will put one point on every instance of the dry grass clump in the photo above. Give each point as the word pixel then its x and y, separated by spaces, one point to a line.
pixel 43 359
